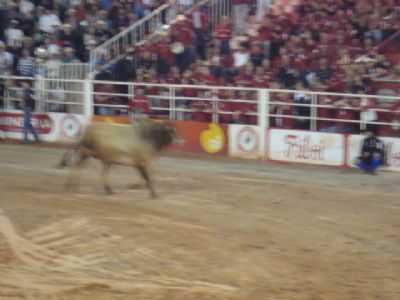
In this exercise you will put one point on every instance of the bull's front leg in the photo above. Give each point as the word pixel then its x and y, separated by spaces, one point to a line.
pixel 145 174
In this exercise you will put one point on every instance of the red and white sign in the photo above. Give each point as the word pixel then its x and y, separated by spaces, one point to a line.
pixel 14 122
pixel 392 148
pixel 245 141
pixel 306 147
pixel 51 127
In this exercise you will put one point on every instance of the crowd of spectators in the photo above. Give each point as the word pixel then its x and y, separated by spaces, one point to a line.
pixel 325 45
pixel 65 29
pixel 320 45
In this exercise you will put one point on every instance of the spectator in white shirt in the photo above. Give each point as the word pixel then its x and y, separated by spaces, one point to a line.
pixel 48 21
pixel 241 57
pixel 14 35
pixel 26 7
pixel 6 60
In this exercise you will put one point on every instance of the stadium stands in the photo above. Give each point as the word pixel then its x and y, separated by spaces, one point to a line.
pixel 66 29
pixel 319 45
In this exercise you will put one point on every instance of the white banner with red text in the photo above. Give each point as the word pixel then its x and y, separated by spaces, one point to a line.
pixel 245 141
pixel 392 150
pixel 51 127
pixel 306 147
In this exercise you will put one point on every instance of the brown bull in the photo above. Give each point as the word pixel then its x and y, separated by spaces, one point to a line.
pixel 129 145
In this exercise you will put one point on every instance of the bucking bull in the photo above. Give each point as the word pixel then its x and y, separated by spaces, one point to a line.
pixel 130 145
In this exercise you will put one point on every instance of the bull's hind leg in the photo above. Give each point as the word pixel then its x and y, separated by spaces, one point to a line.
pixel 145 174
pixel 106 169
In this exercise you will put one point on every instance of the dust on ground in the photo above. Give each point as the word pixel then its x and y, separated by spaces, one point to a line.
pixel 220 230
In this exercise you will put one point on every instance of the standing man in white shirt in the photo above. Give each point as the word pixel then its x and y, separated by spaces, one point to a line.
pixel 14 35
pixel 6 60
pixel 48 21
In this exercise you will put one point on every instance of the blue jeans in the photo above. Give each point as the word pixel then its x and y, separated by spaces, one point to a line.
pixel 370 167
pixel 28 125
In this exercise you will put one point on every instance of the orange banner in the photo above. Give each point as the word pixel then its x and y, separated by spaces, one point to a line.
pixel 202 137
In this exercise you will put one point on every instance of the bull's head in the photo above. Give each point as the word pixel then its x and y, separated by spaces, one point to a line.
pixel 163 134
pixel 171 131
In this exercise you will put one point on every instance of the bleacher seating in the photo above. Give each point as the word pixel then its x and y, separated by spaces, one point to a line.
pixel 321 45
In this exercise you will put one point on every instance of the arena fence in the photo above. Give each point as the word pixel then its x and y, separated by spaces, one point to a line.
pixel 283 125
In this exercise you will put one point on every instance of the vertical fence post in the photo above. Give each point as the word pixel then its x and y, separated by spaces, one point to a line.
pixel 88 99
pixel 40 92
pixel 215 114
pixel 314 112
pixel 263 115
pixel 172 104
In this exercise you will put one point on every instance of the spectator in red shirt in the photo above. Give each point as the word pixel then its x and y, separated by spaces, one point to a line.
pixel 240 109
pixel 281 110
pixel 202 108
pixel 225 107
pixel 223 34
pixel 345 110
pixel 252 109
pixel 326 113
pixel 139 106
pixel 187 94
pixel 245 76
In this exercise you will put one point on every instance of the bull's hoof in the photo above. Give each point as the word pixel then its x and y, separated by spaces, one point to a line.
pixel 153 196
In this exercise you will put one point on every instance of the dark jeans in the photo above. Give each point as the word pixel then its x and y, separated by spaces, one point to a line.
pixel 370 166
pixel 28 125
pixel 185 59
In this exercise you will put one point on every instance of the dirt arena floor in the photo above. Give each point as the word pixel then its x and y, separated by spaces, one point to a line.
pixel 220 230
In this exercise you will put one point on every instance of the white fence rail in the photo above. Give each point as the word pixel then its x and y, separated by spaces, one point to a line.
pixel 63 70
pixel 263 107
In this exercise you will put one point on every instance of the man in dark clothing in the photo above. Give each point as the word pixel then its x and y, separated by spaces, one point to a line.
pixel 29 106
pixel 125 70
pixel 372 153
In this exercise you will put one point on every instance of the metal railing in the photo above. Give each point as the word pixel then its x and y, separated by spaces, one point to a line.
pixel 63 70
pixel 263 107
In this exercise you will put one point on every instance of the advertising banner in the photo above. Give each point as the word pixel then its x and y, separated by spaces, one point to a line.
pixel 392 149
pixel 196 137
pixel 245 142
pixel 202 137
pixel 51 127
pixel 306 147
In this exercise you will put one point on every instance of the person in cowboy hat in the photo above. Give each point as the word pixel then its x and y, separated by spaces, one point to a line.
pixel 372 154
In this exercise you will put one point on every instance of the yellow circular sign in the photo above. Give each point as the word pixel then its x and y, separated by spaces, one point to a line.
pixel 212 140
